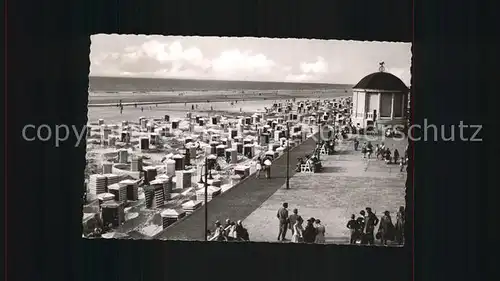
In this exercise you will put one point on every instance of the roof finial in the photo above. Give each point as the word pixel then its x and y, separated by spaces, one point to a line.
pixel 381 67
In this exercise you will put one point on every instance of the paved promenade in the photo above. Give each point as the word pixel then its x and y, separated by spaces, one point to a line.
pixel 348 184
pixel 240 201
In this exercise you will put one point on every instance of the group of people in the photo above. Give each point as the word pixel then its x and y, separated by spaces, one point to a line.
pixel 391 157
pixel 263 164
pixel 311 160
pixel 230 231
pixel 362 228
pixel 383 152
pixel 313 232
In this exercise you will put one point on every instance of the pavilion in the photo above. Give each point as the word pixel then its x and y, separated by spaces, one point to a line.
pixel 380 100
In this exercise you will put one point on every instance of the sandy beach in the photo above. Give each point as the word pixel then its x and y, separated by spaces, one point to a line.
pixel 131 98
pixel 177 107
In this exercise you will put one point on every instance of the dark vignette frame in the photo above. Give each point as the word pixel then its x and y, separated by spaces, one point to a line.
pixel 47 59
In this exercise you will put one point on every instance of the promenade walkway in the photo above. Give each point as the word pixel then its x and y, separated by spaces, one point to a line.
pixel 240 201
pixel 348 184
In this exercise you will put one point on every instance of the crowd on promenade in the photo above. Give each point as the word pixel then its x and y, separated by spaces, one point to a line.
pixel 362 228
pixel 312 232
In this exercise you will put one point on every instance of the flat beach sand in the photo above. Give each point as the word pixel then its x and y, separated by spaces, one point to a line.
pixel 104 105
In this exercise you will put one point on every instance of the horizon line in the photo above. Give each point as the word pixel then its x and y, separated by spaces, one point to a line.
pixel 203 79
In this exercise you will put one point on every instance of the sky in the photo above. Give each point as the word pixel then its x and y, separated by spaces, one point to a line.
pixel 246 58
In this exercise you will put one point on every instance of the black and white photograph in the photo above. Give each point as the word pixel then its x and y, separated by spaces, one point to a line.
pixel 227 139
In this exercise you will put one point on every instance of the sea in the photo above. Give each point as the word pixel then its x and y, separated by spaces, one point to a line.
pixel 127 84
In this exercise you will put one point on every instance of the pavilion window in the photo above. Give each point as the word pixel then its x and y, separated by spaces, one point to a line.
pixel 398 105
pixel 385 104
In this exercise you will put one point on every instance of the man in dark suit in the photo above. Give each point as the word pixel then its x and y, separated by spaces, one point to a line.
pixel 283 221
pixel 353 227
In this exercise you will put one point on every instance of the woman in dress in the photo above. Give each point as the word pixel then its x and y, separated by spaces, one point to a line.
pixel 297 231
pixel 396 156
pixel 320 233
pixel 386 228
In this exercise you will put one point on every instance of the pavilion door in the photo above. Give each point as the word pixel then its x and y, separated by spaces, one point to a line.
pixel 374 115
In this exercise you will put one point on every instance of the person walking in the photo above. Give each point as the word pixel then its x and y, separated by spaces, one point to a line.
pixel 320 232
pixel 352 225
pixel 267 164
pixel 387 155
pixel 369 149
pixel 363 150
pixel 396 156
pixel 283 222
pixel 381 151
pixel 292 219
pixel 400 226
pixel 258 169
pixel 385 229
pixel 371 221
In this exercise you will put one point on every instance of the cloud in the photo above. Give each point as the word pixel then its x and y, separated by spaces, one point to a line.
pixel 235 62
pixel 154 58
pixel 310 71
pixel 320 66
pixel 243 58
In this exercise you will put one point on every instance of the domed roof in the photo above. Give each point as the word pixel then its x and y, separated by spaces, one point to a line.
pixel 382 81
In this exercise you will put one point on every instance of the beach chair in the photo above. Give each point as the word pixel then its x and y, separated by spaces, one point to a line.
pixel 305 168
pixel 323 151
